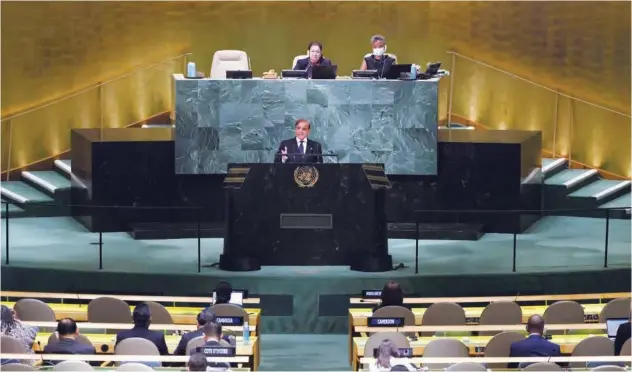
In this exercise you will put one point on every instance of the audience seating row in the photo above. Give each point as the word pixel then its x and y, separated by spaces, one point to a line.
pixel 505 312
pixel 110 310
pixel 7 295
pixel 463 347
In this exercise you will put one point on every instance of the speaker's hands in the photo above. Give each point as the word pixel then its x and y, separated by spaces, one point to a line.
pixel 283 154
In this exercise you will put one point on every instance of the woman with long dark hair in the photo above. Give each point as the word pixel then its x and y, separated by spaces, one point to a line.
pixel 10 326
pixel 392 295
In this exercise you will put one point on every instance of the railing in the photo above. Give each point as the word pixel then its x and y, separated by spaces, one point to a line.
pixel 586 133
pixel 585 242
pixel 43 132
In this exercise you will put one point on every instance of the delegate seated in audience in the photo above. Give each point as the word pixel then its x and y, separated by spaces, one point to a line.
pixel 223 291
pixel 535 345
pixel 203 317
pixel 213 338
pixel 388 357
pixel 392 295
pixel 12 327
pixel 623 334
pixel 142 319
pixel 66 344
pixel 314 58
pixel 197 362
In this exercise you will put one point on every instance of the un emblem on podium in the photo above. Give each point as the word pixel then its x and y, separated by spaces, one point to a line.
pixel 306 176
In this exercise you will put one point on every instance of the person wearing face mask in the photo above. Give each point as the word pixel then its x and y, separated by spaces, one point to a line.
pixel 379 60
pixel 314 58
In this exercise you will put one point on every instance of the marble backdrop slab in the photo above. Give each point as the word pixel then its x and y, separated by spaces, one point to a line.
pixel 243 121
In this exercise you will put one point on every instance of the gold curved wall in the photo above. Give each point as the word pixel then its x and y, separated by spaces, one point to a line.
pixel 51 49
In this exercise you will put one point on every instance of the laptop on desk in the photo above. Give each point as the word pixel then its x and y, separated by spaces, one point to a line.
pixel 324 72
pixel 395 71
pixel 612 325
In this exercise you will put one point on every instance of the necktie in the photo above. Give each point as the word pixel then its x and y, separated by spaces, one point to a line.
pixel 301 148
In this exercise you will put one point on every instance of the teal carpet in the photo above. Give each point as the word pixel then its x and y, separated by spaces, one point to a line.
pixel 304 352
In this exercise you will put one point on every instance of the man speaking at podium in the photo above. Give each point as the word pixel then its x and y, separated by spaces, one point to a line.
pixel 299 149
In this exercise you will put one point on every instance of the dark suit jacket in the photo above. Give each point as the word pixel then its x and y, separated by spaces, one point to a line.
pixel 69 346
pixel 158 338
pixel 303 64
pixel 623 334
pixel 533 346
pixel 213 343
pixel 312 148
pixel 181 349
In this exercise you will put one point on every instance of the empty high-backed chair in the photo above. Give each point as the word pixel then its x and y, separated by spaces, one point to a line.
pixel 11 345
pixel 396 312
pixel 228 60
pixel 73 365
pixel 466 367
pixel 608 368
pixel 134 367
pixel 109 310
pixel 230 310
pixel 444 348
pixel 137 346
pixel 500 313
pixel 499 347
pixel 563 312
pixel 297 58
pixel 17 367
pixel 542 367
pixel 592 346
pixel 32 310
pixel 398 339
pixel 617 308
pixel 443 313
pixel 159 314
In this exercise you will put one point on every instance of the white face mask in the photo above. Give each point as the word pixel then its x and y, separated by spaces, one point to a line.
pixel 379 51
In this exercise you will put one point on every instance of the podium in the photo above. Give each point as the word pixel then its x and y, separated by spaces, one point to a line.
pixel 306 214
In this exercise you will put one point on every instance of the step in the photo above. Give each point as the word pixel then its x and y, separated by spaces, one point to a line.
pixel 50 181
pixel 158 126
pixel 624 201
pixel 22 193
pixel 64 166
pixel 176 230
pixel 572 179
pixel 552 166
pixel 436 231
pixel 14 210
pixel 602 190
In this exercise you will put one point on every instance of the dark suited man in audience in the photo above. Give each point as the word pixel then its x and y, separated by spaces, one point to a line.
pixel 142 319
pixel 203 317
pixel 213 337
pixel 66 344
pixel 299 149
pixel 535 345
